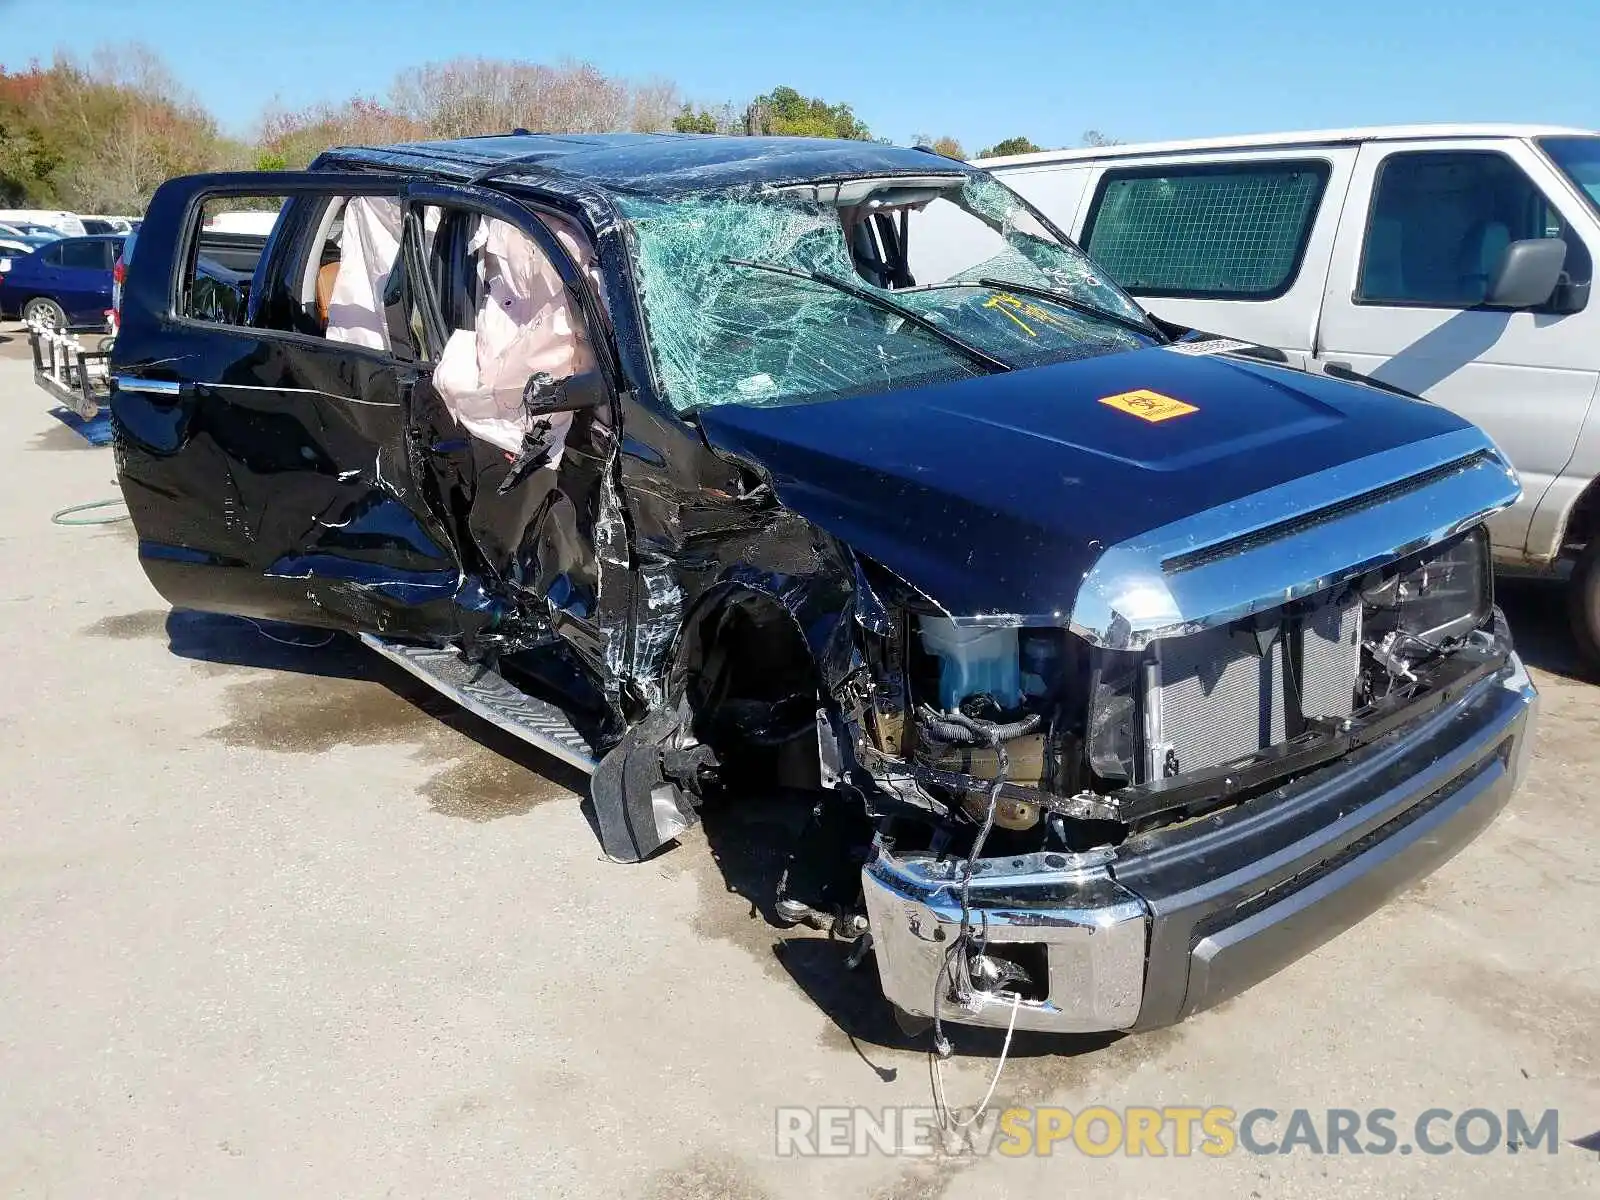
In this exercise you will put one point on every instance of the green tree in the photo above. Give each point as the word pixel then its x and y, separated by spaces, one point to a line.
pixel 101 135
pixel 695 120
pixel 786 112
pixel 1011 145
pixel 949 147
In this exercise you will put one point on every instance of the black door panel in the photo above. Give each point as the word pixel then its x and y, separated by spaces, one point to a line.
pixel 278 479
pixel 307 489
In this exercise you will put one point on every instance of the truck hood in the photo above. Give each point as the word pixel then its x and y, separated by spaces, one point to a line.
pixel 999 494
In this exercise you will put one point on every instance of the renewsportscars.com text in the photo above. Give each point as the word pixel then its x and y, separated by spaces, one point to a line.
pixel 1165 1131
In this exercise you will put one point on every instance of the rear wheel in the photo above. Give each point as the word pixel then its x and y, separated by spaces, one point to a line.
pixel 43 311
pixel 1583 602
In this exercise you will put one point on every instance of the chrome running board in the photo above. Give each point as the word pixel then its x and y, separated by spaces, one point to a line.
pixel 483 691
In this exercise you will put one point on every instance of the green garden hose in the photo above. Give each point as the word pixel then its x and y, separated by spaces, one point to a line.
pixel 64 516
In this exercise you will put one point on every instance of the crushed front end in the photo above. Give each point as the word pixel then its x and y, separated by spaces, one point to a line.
pixel 1241 742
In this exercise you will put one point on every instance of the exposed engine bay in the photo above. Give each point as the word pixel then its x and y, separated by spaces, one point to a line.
pixel 1090 744
pixel 1021 753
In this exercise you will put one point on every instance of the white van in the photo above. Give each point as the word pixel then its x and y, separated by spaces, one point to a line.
pixel 257 223
pixel 65 223
pixel 1454 262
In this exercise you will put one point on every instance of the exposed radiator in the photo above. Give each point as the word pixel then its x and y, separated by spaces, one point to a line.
pixel 1218 695
pixel 1330 650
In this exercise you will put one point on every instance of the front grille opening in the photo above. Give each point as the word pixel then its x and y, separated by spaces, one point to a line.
pixel 1225 694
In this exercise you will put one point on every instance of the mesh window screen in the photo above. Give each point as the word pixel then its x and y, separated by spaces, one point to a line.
pixel 1225 231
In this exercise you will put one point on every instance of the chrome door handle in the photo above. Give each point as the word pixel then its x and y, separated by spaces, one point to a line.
pixel 153 387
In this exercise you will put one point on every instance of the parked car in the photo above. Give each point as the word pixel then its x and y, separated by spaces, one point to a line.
pixel 97 223
pixel 1455 262
pixel 17 243
pixel 257 224
pixel 65 284
pixel 65 223
pixel 1109 672
pixel 30 229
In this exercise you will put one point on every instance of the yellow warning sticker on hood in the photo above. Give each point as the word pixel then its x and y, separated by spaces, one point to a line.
pixel 1149 406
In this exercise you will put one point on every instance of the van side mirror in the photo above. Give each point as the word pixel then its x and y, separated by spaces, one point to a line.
pixel 1527 273
pixel 544 394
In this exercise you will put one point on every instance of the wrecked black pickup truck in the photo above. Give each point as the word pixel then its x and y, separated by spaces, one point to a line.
pixel 1116 669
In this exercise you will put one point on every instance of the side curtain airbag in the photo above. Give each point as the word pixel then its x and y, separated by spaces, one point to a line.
pixel 369 246
pixel 525 325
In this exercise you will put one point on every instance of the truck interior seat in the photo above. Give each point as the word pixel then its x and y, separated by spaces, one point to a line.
pixel 326 274
pixel 1481 247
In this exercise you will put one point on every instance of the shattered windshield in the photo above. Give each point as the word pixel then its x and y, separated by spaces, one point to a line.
pixel 785 296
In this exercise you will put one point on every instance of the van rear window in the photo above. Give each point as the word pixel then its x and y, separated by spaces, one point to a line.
pixel 1233 231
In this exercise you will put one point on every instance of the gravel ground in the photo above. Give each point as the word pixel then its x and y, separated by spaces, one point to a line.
pixel 277 924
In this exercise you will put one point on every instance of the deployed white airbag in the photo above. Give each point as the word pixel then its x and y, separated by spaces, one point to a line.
pixel 525 325
pixel 369 247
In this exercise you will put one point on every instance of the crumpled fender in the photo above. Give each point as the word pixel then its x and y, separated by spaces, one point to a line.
pixel 641 788
pixel 645 789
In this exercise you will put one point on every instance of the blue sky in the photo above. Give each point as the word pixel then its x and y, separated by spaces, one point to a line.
pixel 979 72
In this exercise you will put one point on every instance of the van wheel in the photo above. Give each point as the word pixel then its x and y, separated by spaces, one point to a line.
pixel 1583 603
pixel 42 310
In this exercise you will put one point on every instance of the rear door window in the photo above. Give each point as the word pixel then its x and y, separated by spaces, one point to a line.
pixel 1228 231
pixel 1440 221
pixel 214 286
pixel 326 277
pixel 88 256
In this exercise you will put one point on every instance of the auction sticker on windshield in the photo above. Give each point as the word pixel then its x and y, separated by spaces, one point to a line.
pixel 1149 406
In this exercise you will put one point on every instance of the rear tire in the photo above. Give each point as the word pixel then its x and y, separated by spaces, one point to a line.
pixel 1583 603
pixel 42 310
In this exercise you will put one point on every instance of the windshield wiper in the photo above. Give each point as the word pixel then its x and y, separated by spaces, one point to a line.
pixel 910 315
pixel 1148 328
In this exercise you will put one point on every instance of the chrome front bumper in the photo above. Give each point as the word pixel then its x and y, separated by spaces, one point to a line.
pixel 1177 921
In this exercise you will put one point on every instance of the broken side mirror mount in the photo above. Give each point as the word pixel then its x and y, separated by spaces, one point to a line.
pixel 544 394
pixel 1527 274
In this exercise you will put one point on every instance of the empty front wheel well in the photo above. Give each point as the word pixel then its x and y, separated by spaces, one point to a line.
pixel 752 686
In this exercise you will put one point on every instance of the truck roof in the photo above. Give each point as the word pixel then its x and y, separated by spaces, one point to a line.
pixel 1305 137
pixel 652 163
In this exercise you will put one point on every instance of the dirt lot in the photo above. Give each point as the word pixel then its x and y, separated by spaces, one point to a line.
pixel 276 924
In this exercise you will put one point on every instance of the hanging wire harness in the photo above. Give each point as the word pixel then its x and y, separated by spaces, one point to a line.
pixel 965 969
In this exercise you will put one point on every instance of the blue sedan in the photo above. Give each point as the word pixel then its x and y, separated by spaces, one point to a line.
pixel 66 284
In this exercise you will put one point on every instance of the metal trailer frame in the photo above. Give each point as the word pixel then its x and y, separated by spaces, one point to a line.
pixel 74 376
